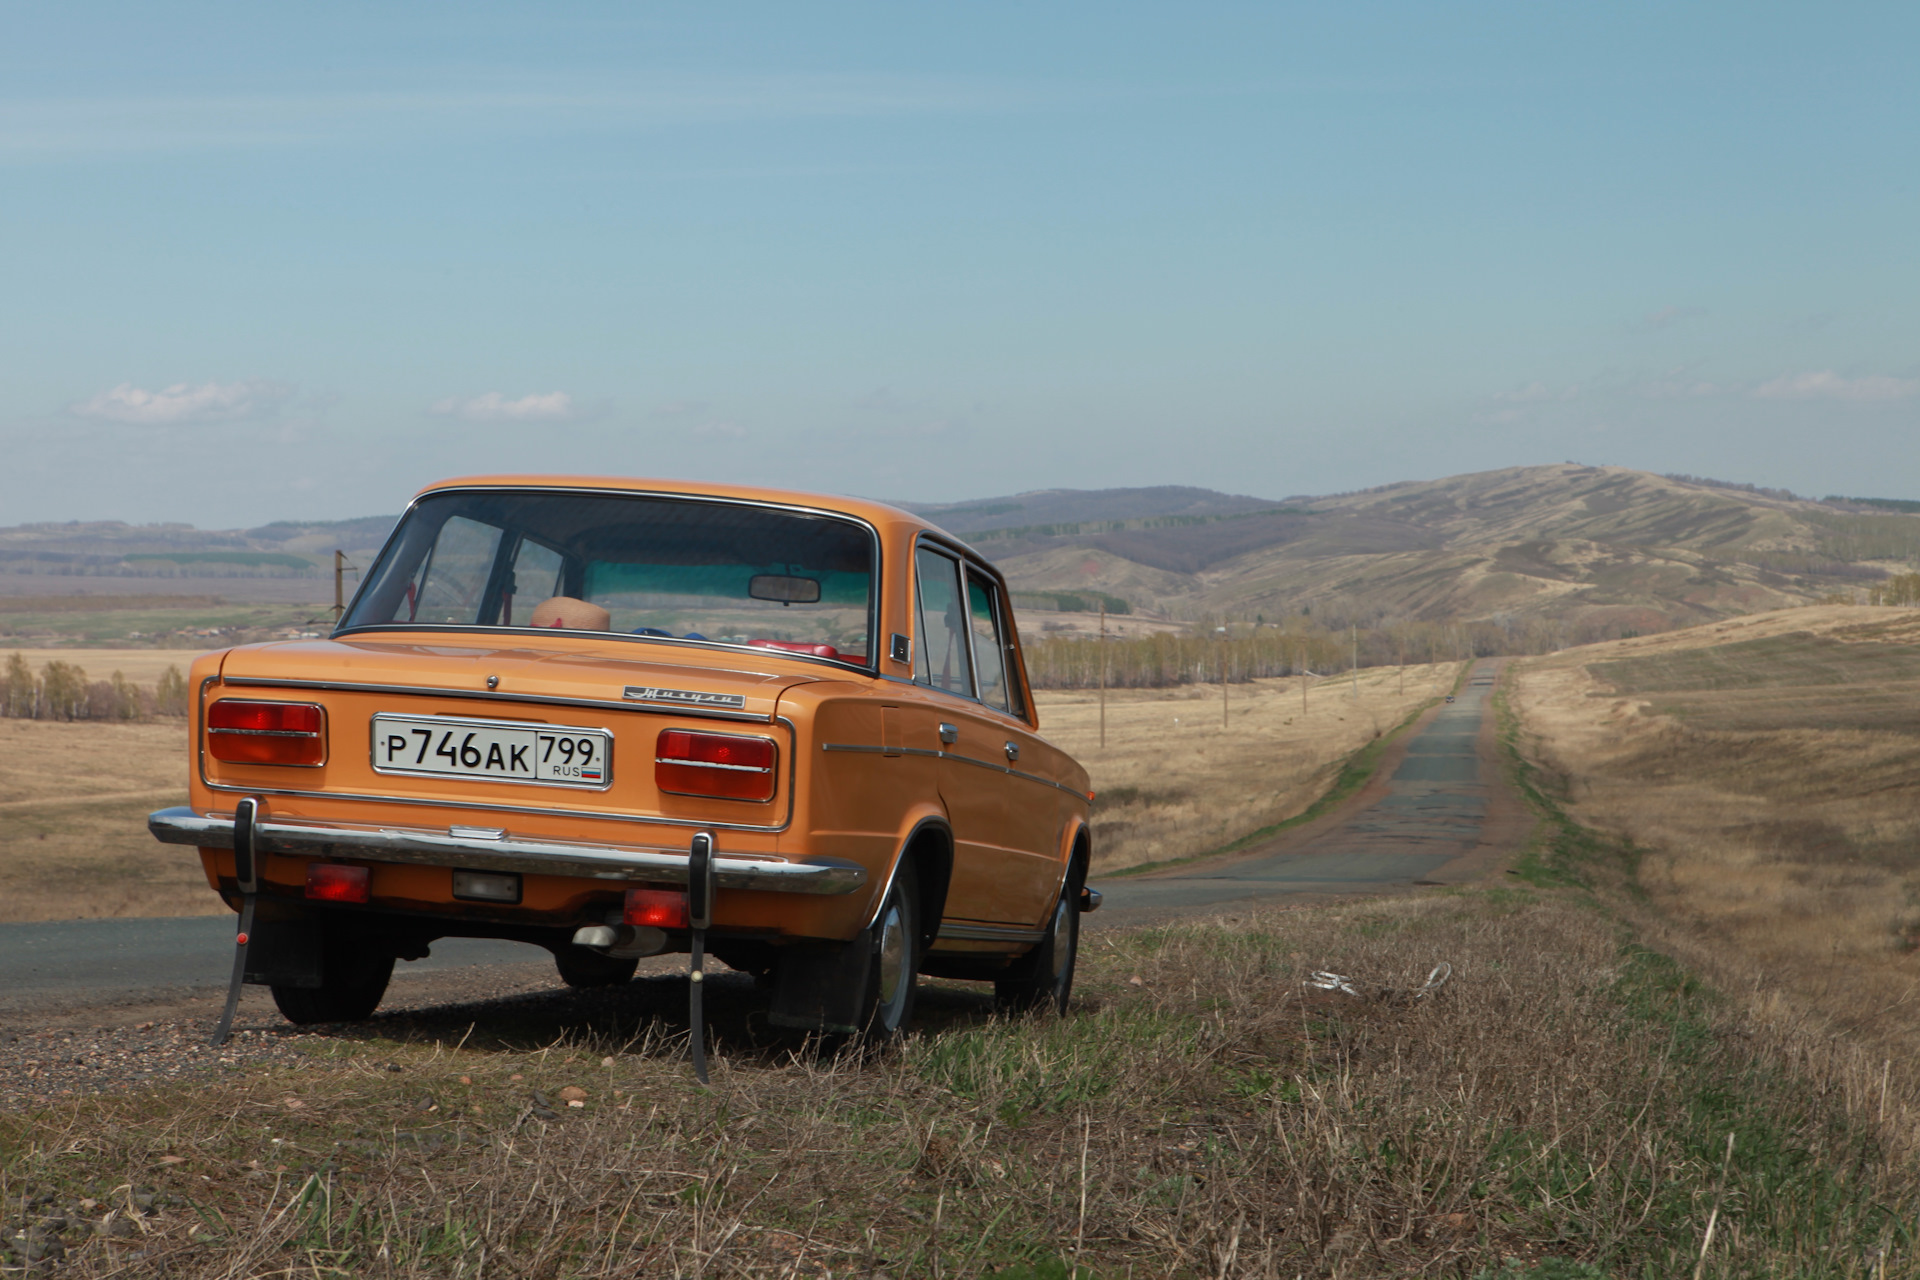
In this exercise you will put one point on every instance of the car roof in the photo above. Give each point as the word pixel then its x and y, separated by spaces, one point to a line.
pixel 879 514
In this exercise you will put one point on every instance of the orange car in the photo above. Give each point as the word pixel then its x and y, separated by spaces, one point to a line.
pixel 615 718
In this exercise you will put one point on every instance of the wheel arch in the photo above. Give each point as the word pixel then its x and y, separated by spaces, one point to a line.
pixel 928 849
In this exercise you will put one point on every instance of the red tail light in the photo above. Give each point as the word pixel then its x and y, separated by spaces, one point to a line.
pixel 660 908
pixel 332 882
pixel 243 731
pixel 725 766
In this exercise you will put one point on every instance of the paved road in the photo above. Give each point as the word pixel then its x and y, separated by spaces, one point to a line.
pixel 1426 822
pixel 113 960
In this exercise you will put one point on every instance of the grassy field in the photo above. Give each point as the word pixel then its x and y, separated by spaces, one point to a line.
pixel 1561 1109
pixel 74 799
pixel 1765 777
pixel 107 621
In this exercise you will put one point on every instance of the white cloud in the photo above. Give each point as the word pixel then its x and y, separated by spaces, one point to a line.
pixel 1827 385
pixel 180 403
pixel 1667 317
pixel 551 406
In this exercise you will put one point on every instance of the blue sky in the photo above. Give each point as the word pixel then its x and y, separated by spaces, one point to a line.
pixel 266 261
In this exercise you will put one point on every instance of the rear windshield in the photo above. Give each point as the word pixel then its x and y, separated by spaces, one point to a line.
pixel 661 568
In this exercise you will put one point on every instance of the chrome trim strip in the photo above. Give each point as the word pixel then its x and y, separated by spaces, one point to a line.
pixel 988 933
pixel 485 695
pixel 951 755
pixel 427 847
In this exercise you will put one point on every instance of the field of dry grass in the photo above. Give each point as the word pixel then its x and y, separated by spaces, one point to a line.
pixel 1766 776
pixel 1560 1110
pixel 74 799
pixel 1172 781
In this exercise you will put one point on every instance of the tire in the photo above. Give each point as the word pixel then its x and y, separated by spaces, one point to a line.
pixel 586 969
pixel 894 973
pixel 1043 978
pixel 354 975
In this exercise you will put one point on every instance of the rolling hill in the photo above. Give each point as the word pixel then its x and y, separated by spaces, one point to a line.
pixel 1584 552
pixel 1592 551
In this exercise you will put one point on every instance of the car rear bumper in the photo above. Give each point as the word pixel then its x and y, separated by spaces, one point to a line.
pixel 485 849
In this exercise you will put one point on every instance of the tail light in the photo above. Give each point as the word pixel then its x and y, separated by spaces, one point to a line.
pixel 725 766
pixel 658 908
pixel 335 882
pixel 243 731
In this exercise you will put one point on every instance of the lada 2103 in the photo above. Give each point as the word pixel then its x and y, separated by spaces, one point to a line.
pixel 552 696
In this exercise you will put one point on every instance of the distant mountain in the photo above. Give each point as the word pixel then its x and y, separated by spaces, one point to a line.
pixel 112 549
pixel 1594 550
pixel 1589 551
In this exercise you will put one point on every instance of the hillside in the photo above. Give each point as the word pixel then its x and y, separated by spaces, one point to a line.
pixel 1572 552
pixel 1590 551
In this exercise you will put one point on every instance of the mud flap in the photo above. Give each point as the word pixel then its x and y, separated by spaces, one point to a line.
pixel 823 988
pixel 286 953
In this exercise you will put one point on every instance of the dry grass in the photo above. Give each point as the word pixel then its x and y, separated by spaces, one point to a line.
pixel 1564 1102
pixel 1173 782
pixel 74 799
pixel 1767 777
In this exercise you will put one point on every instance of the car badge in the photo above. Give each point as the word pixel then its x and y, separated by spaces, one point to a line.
pixel 686 697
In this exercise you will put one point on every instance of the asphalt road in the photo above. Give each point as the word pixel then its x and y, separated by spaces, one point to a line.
pixel 1435 814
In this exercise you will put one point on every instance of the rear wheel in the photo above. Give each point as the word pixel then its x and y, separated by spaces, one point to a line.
pixel 586 969
pixel 894 970
pixel 354 973
pixel 1043 978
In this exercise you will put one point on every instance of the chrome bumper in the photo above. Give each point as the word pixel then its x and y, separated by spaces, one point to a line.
pixel 482 849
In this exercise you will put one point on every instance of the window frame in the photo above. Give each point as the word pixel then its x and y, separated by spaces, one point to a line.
pixel 1016 667
pixel 571 570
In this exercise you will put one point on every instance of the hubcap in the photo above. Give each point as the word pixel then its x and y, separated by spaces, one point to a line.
pixel 1063 943
pixel 893 966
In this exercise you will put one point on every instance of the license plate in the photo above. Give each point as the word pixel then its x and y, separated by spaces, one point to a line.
pixel 494 750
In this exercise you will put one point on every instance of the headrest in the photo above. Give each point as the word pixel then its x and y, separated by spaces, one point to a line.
pixel 570 614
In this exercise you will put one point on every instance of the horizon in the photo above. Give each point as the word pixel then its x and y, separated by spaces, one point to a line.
pixel 288 264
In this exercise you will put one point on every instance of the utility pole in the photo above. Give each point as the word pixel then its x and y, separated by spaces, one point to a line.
pixel 339 581
pixel 1226 664
pixel 1103 673
pixel 1304 673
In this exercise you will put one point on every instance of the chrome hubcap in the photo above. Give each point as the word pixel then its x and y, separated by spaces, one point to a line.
pixel 893 966
pixel 1063 943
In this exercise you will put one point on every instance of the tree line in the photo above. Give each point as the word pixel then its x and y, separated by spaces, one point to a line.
pixel 61 691
pixel 1241 651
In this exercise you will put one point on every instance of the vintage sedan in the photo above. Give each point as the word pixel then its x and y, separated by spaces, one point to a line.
pixel 616 718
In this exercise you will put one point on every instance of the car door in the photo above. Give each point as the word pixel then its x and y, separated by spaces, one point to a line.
pixel 1035 808
pixel 970 782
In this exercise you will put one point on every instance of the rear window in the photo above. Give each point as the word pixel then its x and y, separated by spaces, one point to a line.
pixel 686 569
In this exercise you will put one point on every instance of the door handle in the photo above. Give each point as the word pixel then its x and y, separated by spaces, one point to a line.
pixel 949 734
pixel 1013 752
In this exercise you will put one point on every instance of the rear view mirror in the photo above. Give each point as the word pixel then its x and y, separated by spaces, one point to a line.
pixel 775 586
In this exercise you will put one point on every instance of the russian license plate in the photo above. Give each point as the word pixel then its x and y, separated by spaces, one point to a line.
pixel 494 750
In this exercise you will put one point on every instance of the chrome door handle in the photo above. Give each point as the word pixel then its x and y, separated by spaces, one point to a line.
pixel 949 734
pixel 1013 752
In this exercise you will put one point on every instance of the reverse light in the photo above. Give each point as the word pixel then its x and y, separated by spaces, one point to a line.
pixel 335 882
pixel 656 908
pixel 246 731
pixel 725 766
